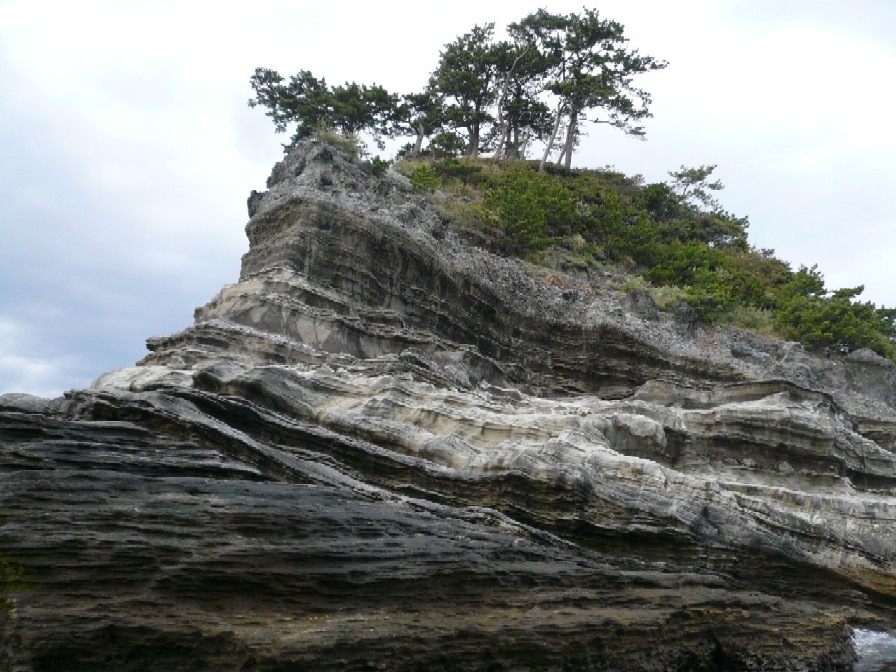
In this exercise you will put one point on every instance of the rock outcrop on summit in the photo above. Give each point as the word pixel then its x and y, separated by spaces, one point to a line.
pixel 386 449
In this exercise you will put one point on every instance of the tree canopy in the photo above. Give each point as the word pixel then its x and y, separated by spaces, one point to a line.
pixel 485 95
pixel 310 103
pixel 588 67
pixel 466 77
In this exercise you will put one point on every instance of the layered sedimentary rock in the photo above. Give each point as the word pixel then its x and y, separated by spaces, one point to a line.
pixel 385 449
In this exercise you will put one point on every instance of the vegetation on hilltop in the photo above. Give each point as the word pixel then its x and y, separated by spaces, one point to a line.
pixel 552 74
pixel 484 95
pixel 672 237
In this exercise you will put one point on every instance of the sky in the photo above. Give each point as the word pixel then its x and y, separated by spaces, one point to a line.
pixel 127 149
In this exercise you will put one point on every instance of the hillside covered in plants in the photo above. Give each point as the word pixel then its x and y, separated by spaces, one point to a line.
pixel 672 238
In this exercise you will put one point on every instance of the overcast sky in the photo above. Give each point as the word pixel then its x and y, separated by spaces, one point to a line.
pixel 127 149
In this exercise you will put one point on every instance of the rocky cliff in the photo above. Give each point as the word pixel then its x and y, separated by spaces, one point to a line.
pixel 385 449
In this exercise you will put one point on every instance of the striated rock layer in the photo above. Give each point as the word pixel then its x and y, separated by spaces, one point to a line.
pixel 383 449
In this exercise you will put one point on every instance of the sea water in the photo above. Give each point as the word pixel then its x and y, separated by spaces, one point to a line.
pixel 876 651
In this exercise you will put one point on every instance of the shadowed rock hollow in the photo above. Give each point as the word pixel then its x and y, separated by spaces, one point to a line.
pixel 383 449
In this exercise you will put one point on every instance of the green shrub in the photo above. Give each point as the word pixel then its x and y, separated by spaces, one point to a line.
pixel 534 208
pixel 452 168
pixel 840 323
pixel 379 166
pixel 424 178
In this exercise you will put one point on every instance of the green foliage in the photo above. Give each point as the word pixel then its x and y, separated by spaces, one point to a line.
pixel 520 115
pixel 661 203
pixel 419 115
pixel 666 296
pixel 357 107
pixel 587 66
pixel 805 283
pixel 304 100
pixel 834 320
pixel 680 251
pixel 310 103
pixel 446 144
pixel 482 94
pixel 379 166
pixel 465 76
pixel 716 229
pixel 424 178
pixel 534 208
pixel 451 168
pixel 761 320
pixel 693 186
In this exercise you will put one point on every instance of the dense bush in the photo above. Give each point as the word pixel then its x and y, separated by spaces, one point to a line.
pixel 424 178
pixel 821 319
pixel 379 166
pixel 534 208
pixel 465 172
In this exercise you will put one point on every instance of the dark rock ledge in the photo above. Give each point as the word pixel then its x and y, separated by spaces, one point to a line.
pixel 385 450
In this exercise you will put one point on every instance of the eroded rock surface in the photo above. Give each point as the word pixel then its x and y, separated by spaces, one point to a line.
pixel 383 449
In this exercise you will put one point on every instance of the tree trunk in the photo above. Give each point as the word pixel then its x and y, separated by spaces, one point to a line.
pixel 504 145
pixel 550 142
pixel 570 138
pixel 521 147
pixel 502 123
pixel 473 145
pixel 513 143
pixel 418 145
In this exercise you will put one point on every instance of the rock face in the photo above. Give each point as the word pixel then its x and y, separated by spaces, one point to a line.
pixel 383 449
